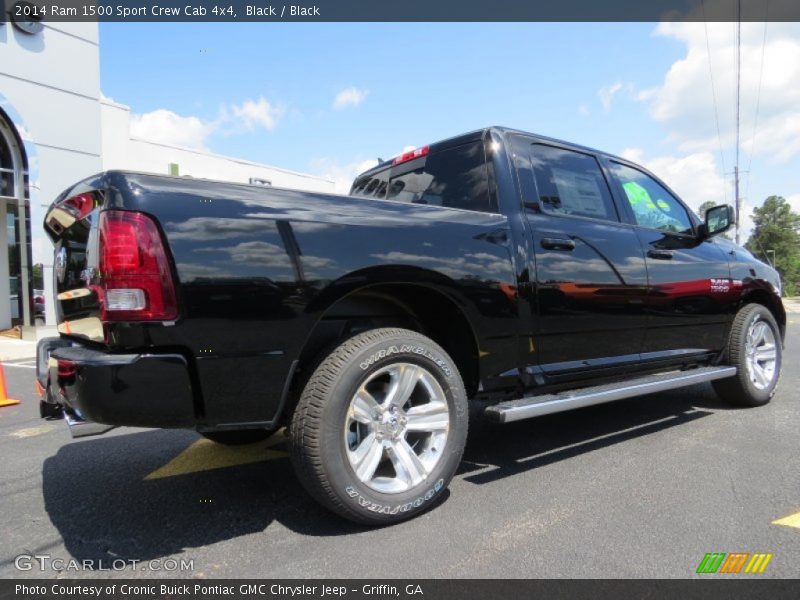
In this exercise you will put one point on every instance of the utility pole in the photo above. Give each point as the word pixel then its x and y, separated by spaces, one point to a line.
pixel 736 187
pixel 738 88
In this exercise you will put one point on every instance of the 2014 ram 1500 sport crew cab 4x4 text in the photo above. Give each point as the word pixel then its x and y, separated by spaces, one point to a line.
pixel 523 274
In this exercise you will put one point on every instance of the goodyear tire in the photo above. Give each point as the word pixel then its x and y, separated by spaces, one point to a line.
pixel 380 427
pixel 755 348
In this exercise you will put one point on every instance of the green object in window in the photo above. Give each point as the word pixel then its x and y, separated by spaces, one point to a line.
pixel 637 195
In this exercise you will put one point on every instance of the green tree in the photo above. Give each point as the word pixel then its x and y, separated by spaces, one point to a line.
pixel 701 210
pixel 38 278
pixel 776 239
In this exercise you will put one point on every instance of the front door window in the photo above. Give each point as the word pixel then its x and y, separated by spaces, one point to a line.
pixel 652 205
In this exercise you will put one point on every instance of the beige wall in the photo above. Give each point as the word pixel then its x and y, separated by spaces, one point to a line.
pixel 52 82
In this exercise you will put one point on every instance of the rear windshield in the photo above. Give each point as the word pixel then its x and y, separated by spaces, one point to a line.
pixel 454 177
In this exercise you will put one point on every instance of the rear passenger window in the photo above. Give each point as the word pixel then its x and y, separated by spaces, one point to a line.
pixel 571 183
pixel 455 177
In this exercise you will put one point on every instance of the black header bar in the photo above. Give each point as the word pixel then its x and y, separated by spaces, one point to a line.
pixel 423 589
pixel 405 10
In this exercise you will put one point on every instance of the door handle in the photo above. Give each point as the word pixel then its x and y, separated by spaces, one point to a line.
pixel 660 254
pixel 558 243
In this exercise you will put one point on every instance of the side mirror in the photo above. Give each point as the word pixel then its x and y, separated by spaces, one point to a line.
pixel 718 220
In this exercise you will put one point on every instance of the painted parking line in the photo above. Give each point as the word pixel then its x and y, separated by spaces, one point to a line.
pixel 32 431
pixel 28 363
pixel 790 521
pixel 205 455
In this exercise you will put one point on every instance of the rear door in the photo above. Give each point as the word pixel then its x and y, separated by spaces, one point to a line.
pixel 590 271
pixel 690 286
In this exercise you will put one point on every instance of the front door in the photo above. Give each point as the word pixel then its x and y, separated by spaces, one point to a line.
pixel 590 270
pixel 690 288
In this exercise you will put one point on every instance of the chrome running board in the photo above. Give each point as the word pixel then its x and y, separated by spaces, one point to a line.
pixel 535 406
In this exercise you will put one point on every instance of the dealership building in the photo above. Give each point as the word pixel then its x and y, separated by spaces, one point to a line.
pixel 57 128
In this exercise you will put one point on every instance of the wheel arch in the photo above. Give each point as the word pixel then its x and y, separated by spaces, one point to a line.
pixel 418 305
pixel 771 303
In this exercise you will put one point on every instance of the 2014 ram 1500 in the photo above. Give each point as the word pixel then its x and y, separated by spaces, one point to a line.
pixel 522 274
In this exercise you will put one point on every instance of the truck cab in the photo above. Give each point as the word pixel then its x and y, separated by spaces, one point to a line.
pixel 615 273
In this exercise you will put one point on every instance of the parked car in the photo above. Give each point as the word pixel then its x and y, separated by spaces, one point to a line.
pixel 524 274
pixel 38 304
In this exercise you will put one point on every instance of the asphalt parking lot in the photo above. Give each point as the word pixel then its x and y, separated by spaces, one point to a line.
pixel 639 488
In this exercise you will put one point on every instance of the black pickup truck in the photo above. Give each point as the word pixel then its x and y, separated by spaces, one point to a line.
pixel 498 270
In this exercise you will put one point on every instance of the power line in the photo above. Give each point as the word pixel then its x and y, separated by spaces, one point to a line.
pixel 714 98
pixel 738 99
pixel 758 99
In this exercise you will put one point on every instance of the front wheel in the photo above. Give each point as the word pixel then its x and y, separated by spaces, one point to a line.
pixel 380 427
pixel 754 347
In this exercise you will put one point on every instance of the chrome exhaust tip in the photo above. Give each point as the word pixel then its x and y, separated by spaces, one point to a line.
pixel 80 427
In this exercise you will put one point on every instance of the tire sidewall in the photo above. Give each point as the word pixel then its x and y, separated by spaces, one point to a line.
pixel 759 313
pixel 357 496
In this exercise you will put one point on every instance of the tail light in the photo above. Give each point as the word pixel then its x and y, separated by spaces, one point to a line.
pixel 83 204
pixel 410 155
pixel 66 369
pixel 135 281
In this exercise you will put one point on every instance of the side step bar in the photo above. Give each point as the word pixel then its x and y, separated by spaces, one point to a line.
pixel 535 406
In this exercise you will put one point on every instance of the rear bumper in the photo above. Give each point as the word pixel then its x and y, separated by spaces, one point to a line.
pixel 138 390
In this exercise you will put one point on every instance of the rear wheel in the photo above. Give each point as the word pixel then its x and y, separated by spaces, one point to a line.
pixel 380 427
pixel 754 347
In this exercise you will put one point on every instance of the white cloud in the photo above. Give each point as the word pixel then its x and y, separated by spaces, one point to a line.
pixel 349 97
pixel 794 202
pixel 342 175
pixel 633 154
pixel 607 93
pixel 167 127
pixel 583 110
pixel 253 114
pixel 684 101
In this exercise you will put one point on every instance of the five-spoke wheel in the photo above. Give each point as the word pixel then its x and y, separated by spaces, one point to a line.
pixel 761 354
pixel 396 427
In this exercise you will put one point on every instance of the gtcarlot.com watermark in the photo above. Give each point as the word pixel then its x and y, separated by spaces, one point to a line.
pixel 46 562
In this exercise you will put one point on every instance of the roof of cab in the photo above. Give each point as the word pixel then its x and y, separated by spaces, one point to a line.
pixel 480 133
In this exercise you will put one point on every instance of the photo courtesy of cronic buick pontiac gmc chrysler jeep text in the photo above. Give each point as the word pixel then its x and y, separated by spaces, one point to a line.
pixel 521 274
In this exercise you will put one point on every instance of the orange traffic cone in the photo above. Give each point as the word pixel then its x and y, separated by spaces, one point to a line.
pixel 4 399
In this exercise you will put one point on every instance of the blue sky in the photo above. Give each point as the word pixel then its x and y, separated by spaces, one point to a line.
pixel 613 86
